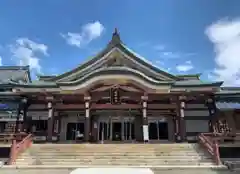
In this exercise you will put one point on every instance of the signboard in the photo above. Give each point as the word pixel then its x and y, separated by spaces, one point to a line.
pixel 145 133
pixel 4 106
pixel 8 106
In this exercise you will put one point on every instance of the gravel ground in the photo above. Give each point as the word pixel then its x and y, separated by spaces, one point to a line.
pixel 156 171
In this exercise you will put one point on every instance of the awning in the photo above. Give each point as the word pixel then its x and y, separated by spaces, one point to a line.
pixel 227 105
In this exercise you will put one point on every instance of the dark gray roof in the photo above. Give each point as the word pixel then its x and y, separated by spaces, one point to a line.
pixel 14 74
pixel 196 83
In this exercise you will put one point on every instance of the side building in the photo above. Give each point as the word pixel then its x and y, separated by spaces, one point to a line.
pixel 117 96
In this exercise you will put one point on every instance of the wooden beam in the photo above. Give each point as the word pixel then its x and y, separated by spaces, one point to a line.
pixel 110 106
pixel 161 106
pixel 60 106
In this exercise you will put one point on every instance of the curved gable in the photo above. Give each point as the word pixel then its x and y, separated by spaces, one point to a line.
pixel 130 59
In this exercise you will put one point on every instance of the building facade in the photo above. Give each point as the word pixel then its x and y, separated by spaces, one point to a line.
pixel 115 96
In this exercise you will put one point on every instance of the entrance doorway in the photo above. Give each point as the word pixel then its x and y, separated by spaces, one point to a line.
pixel 75 131
pixel 128 132
pixel 158 130
pixel 117 131
pixel 104 131
pixel 116 128
pixel 163 130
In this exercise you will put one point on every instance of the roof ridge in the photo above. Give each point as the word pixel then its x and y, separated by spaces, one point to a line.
pixel 14 67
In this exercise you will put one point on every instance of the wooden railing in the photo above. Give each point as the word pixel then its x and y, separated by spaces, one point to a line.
pixel 211 145
pixel 18 147
pixel 9 137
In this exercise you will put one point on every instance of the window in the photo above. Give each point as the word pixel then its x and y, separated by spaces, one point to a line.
pixel 39 125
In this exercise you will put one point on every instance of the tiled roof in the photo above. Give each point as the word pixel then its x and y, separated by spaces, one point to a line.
pixel 9 74
pixel 39 83
pixel 194 82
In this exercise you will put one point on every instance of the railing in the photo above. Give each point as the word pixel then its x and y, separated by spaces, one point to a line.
pixel 207 140
pixel 18 148
pixel 9 137
pixel 211 142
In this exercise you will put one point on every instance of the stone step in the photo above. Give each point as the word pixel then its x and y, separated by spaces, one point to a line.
pixel 120 154
pixel 118 157
pixel 121 160
pixel 122 144
pixel 113 151
pixel 114 154
pixel 113 147
pixel 116 151
pixel 106 163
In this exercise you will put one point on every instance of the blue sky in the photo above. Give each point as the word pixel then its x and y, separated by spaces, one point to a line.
pixel 179 36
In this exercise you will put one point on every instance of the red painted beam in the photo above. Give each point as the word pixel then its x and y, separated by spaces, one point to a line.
pixel 161 106
pixel 70 106
pixel 110 106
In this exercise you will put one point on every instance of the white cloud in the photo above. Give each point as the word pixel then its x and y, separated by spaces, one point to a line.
pixel 225 36
pixel 1 61
pixel 25 52
pixel 88 33
pixel 187 66
pixel 166 53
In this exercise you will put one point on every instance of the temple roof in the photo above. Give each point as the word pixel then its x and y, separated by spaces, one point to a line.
pixel 14 74
pixel 116 59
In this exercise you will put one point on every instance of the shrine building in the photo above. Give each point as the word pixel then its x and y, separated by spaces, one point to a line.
pixel 115 96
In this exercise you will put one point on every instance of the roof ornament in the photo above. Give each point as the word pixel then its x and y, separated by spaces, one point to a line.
pixel 115 37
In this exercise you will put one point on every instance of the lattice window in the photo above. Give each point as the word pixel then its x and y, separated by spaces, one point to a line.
pixel 223 126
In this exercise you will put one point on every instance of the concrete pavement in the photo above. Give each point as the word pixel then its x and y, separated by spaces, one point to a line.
pixel 155 170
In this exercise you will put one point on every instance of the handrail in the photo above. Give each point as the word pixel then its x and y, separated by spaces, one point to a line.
pixel 206 139
pixel 18 148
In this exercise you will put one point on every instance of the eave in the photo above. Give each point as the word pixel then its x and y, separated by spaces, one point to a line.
pixel 114 71
pixel 213 84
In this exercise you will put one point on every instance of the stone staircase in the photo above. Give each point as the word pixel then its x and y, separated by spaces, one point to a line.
pixel 114 155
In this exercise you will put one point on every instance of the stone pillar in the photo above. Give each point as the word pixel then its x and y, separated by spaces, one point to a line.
pixel 50 121
pixel 182 123
pixel 87 125
pixel 145 119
